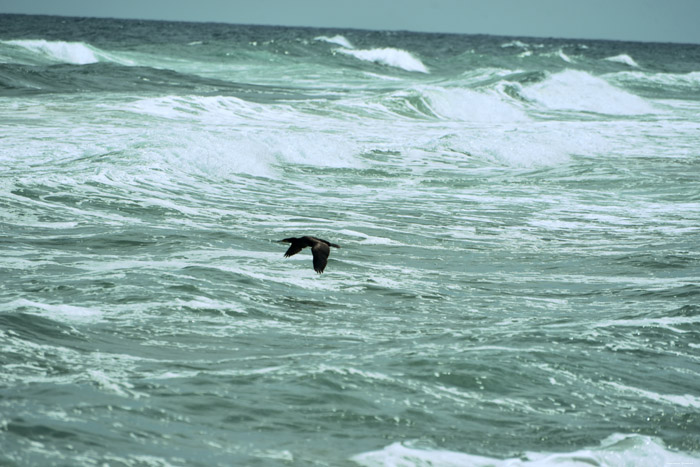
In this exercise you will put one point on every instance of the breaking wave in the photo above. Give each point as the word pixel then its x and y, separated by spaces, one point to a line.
pixel 390 57
pixel 624 59
pixel 337 39
pixel 75 53
pixel 581 91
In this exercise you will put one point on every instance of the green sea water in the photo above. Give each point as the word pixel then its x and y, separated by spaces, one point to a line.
pixel 518 277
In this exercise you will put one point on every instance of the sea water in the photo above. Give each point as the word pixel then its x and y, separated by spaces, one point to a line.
pixel 518 281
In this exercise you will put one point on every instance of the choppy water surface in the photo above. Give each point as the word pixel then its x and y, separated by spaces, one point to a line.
pixel 518 278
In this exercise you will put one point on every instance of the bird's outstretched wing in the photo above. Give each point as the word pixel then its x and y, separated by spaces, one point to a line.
pixel 320 252
pixel 294 248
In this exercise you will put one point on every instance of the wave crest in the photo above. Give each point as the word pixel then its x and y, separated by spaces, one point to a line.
pixel 74 53
pixel 389 56
pixel 337 39
pixel 580 91
pixel 624 59
pixel 468 105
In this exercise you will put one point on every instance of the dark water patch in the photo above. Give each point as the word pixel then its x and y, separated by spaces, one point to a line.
pixel 687 310
pixel 677 292
pixel 38 329
pixel 39 432
pixel 27 80
pixel 85 241
pixel 301 304
pixel 654 261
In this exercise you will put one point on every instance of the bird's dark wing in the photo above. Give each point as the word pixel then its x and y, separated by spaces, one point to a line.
pixel 320 252
pixel 294 248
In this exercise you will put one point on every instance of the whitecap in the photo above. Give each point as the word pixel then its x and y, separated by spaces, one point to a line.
pixel 337 39
pixel 564 57
pixel 389 56
pixel 623 58
pixel 75 53
pixel 515 43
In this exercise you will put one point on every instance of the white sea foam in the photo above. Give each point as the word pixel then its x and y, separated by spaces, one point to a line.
pixel 525 146
pixel 667 322
pixel 477 76
pixel 217 155
pixel 216 109
pixel 682 400
pixel 337 39
pixel 617 449
pixel 578 90
pixel 623 58
pixel 114 384
pixel 390 57
pixel 76 53
pixel 235 143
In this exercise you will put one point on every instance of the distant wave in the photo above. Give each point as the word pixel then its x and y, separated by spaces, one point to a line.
pixel 685 80
pixel 521 45
pixel 516 43
pixel 560 53
pixel 623 58
pixel 75 53
pixel 337 39
pixel 390 57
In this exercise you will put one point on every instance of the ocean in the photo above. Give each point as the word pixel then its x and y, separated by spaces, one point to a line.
pixel 518 281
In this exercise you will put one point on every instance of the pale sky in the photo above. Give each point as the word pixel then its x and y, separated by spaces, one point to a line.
pixel 635 20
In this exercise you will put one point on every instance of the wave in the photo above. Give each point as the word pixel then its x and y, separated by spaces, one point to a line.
pixel 469 105
pixel 624 59
pixel 388 56
pixel 580 91
pixel 638 450
pixel 527 50
pixel 521 45
pixel 74 53
pixel 516 44
pixel 560 53
pixel 53 311
pixel 337 39
pixel 684 80
pixel 520 146
pixel 253 150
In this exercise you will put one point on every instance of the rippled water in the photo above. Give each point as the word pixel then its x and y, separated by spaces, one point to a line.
pixel 517 282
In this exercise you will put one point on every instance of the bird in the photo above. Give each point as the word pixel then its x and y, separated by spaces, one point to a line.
pixel 319 248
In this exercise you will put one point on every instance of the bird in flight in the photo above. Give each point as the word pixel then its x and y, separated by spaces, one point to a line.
pixel 320 249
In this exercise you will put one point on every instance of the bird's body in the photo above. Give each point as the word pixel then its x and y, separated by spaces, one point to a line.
pixel 320 249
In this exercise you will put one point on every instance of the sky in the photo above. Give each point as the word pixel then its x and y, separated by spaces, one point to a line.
pixel 633 20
